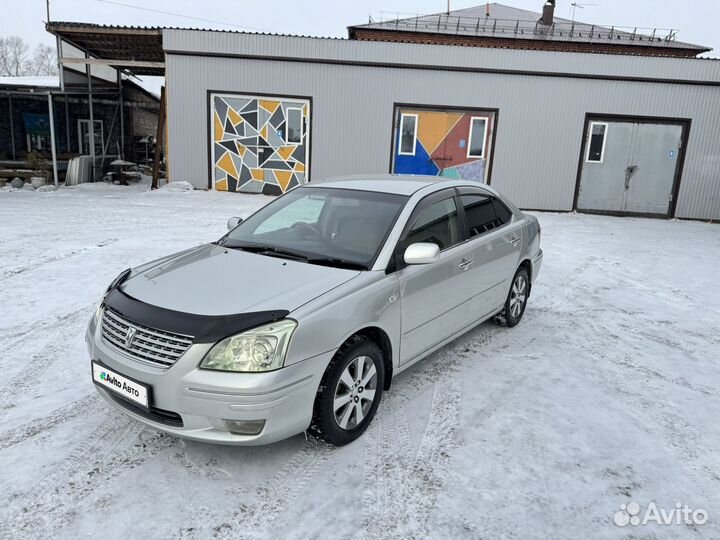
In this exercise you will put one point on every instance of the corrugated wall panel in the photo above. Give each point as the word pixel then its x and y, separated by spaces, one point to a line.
pixel 539 128
pixel 443 55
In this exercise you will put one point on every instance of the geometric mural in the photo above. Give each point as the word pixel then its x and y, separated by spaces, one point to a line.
pixel 450 143
pixel 259 144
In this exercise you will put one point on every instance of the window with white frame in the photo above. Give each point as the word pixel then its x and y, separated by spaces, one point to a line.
pixel 294 131
pixel 596 142
pixel 477 137
pixel 408 134
pixel 84 137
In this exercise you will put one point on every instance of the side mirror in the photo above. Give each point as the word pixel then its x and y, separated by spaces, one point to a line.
pixel 233 222
pixel 421 253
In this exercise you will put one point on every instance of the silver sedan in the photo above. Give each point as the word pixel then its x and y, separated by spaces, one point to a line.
pixel 299 317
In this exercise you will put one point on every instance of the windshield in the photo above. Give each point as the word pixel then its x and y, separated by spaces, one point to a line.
pixel 336 227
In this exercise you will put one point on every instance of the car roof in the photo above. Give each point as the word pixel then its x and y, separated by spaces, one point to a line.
pixel 387 183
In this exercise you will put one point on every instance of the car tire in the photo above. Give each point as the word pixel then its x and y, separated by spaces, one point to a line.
pixel 516 300
pixel 356 370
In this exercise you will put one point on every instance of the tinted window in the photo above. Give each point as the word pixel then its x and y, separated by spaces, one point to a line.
pixel 438 224
pixel 408 125
pixel 597 141
pixel 502 212
pixel 479 213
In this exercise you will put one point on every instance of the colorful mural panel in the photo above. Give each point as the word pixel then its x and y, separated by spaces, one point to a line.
pixel 455 144
pixel 259 144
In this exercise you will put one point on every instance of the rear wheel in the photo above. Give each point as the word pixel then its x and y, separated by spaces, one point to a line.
pixel 516 300
pixel 349 392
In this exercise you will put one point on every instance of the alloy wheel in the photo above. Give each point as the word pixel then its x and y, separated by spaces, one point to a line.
pixel 518 295
pixel 355 392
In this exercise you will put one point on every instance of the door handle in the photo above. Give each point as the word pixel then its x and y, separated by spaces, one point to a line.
pixel 629 172
pixel 514 240
pixel 465 264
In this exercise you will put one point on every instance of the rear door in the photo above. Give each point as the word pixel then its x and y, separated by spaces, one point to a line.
pixel 496 241
pixel 432 295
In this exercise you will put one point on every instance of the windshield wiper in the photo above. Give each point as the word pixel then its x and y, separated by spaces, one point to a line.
pixel 270 251
pixel 337 263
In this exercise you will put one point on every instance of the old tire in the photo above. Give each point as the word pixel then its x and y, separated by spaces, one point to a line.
pixel 516 300
pixel 349 392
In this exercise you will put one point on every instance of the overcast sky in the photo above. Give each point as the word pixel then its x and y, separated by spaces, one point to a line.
pixel 696 20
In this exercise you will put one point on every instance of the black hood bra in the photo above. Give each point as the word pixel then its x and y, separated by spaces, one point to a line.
pixel 203 328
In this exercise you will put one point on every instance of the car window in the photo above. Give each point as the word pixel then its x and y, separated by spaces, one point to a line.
pixel 479 214
pixel 438 224
pixel 503 213
pixel 305 210
pixel 321 223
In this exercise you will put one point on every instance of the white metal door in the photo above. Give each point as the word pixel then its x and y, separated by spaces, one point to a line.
pixel 629 167
pixel 650 175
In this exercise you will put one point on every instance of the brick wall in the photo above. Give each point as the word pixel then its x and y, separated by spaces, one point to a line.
pixel 512 43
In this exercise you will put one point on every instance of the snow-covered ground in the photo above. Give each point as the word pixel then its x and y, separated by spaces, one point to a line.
pixel 606 393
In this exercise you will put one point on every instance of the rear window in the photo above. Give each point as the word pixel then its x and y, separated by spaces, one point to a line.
pixel 502 212
pixel 479 214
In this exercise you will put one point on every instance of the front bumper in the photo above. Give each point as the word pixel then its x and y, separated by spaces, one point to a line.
pixel 202 399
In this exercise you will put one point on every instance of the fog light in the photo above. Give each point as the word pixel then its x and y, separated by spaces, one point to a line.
pixel 244 427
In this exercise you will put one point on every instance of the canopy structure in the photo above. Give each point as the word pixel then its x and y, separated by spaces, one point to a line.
pixel 136 50
pixel 94 58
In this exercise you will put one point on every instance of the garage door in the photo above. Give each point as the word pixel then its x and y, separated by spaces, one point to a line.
pixel 630 167
pixel 452 143
pixel 260 144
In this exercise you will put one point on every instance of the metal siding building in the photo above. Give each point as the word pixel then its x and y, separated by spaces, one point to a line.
pixel 542 100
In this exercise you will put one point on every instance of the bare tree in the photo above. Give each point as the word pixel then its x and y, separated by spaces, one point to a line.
pixel 44 61
pixel 15 60
pixel 13 56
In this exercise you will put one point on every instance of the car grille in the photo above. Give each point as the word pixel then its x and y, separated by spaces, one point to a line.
pixel 150 345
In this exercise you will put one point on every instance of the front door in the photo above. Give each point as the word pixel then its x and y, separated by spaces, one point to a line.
pixel 630 167
pixel 437 142
pixel 432 295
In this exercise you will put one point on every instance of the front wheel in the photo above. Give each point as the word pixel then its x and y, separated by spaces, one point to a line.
pixel 349 393
pixel 516 300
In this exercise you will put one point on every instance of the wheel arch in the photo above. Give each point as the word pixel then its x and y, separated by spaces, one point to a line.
pixel 380 337
pixel 527 265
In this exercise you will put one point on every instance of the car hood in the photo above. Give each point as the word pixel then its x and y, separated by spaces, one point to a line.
pixel 213 280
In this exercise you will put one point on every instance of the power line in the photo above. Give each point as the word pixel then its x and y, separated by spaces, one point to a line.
pixel 182 16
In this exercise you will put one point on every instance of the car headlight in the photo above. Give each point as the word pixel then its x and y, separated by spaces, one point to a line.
pixel 260 349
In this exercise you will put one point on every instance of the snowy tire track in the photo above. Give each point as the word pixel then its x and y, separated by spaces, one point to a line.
pixel 94 463
pixel 57 417
pixel 401 487
pixel 271 499
pixel 37 263
pixel 22 383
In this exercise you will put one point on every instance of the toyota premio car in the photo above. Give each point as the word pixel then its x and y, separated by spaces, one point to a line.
pixel 298 318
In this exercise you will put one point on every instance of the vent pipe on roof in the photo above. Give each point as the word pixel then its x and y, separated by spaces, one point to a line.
pixel 487 9
pixel 548 13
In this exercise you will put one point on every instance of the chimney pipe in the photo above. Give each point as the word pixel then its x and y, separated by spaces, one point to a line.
pixel 548 13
